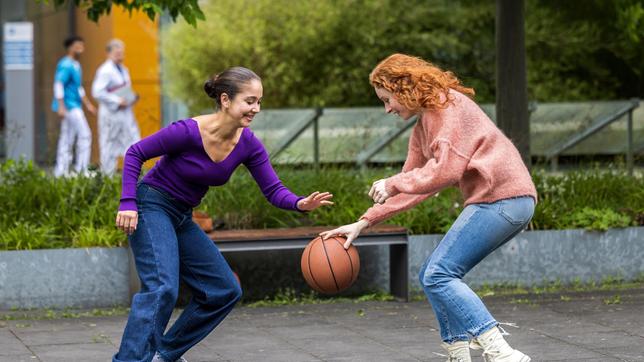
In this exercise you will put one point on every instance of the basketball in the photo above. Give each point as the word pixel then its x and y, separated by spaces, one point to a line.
pixel 327 267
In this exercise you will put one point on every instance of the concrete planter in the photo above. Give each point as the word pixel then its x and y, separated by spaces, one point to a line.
pixel 106 277
pixel 60 278
pixel 533 257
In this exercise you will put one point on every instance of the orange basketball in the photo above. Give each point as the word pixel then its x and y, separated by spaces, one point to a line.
pixel 329 268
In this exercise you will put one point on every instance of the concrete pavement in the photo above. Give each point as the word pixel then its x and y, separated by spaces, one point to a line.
pixel 598 326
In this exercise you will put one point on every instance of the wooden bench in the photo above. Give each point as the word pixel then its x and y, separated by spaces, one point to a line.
pixel 297 238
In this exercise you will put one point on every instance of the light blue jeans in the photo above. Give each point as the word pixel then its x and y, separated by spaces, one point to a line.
pixel 477 232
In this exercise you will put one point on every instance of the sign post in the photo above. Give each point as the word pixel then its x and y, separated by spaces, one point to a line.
pixel 18 51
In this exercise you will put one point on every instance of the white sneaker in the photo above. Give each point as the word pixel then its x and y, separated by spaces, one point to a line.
pixel 496 349
pixel 458 351
pixel 157 358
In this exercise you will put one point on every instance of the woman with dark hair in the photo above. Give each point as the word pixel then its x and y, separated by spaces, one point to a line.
pixel 453 144
pixel 156 213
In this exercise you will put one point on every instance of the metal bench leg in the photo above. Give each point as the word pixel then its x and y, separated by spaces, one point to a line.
pixel 398 273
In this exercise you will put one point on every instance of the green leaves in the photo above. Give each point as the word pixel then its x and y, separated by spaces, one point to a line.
pixel 188 9
pixel 22 235
pixel 591 199
pixel 584 50
pixel 42 212
pixel 598 219
pixel 630 18
pixel 320 53
pixel 92 236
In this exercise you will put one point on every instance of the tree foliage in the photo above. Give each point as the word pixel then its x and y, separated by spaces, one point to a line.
pixel 319 53
pixel 188 9
pixel 579 50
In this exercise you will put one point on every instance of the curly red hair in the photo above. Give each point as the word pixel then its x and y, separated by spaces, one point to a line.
pixel 416 83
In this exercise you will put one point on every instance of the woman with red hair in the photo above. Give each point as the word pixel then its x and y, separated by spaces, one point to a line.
pixel 452 144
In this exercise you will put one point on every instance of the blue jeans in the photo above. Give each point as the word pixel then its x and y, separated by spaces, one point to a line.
pixel 477 232
pixel 167 245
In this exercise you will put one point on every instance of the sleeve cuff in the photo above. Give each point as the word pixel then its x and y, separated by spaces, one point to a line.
pixel 128 205
pixel 369 223
pixel 390 188
pixel 371 219
pixel 297 208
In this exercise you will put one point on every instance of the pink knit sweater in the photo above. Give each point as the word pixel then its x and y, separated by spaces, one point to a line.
pixel 457 146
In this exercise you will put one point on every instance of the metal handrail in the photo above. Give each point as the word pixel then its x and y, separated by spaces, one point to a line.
pixel 376 146
pixel 298 130
pixel 597 126
pixel 313 118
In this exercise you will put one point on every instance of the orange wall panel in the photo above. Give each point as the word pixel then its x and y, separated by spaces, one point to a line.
pixel 96 36
pixel 140 36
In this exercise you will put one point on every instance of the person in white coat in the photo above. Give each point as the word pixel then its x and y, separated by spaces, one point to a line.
pixel 112 88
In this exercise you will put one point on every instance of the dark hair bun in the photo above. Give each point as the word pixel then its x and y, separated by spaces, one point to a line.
pixel 210 87
pixel 229 82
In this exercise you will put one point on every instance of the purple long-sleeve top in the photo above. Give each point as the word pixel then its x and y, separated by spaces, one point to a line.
pixel 186 171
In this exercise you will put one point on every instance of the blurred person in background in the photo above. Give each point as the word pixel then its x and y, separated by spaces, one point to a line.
pixel 69 97
pixel 112 88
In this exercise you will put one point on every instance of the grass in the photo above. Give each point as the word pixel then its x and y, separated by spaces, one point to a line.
pixel 44 212
pixel 519 295
pixel 610 283
pixel 49 314
pixel 285 297
pixel 616 299
pixel 291 297
pixel 526 301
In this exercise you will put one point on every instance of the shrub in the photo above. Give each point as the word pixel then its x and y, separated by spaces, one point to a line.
pixel 44 212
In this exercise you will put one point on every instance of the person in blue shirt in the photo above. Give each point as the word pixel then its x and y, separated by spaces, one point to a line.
pixel 69 97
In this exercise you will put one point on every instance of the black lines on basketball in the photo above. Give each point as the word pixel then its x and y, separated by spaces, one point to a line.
pixel 318 287
pixel 335 280
pixel 349 255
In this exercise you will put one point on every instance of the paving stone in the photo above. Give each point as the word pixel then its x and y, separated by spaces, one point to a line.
pixel 549 330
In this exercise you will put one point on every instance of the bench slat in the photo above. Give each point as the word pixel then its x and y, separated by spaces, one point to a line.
pixel 395 237
pixel 294 233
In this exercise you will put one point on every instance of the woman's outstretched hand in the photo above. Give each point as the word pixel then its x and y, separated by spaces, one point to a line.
pixel 314 200
pixel 127 220
pixel 350 231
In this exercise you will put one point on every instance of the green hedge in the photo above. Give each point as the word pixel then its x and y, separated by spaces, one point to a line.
pixel 39 211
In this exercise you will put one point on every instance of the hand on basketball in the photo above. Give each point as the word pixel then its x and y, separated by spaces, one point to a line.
pixel 378 192
pixel 315 200
pixel 127 220
pixel 350 231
